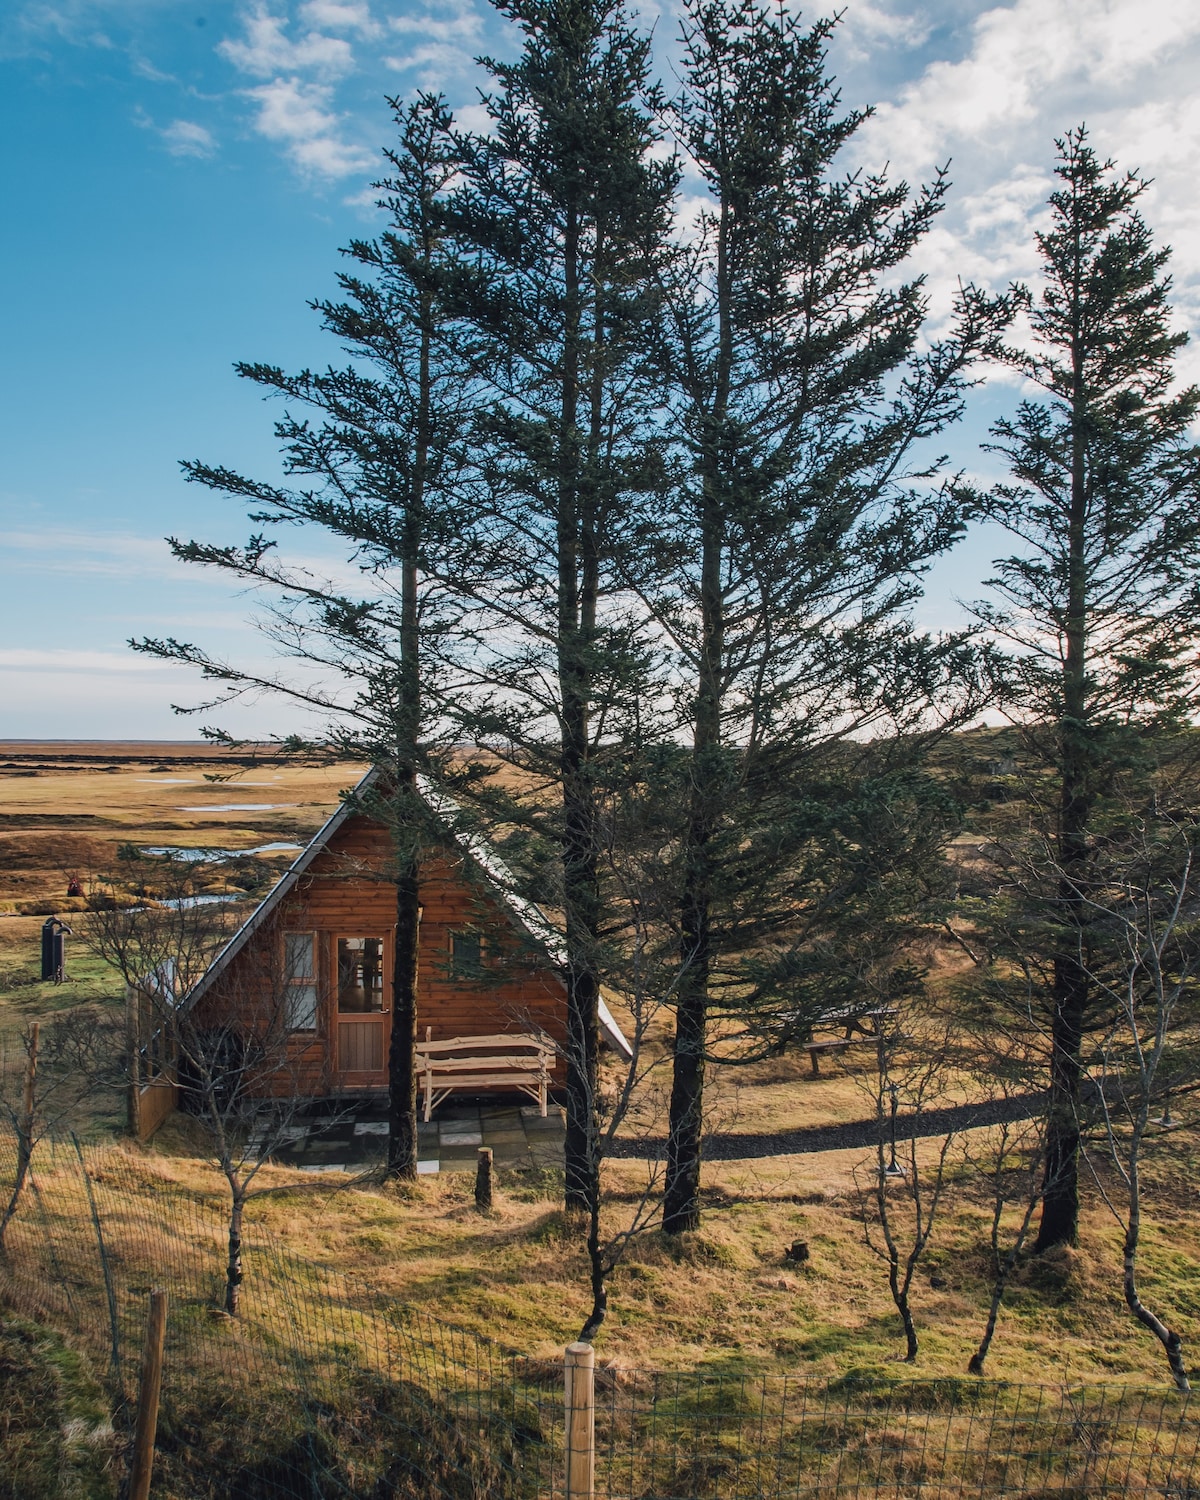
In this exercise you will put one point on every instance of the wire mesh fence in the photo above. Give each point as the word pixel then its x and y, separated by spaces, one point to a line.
pixel 324 1388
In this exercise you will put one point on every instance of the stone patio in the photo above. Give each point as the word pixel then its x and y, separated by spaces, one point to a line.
pixel 351 1136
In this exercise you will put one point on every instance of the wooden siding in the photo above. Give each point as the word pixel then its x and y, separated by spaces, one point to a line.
pixel 150 1105
pixel 345 892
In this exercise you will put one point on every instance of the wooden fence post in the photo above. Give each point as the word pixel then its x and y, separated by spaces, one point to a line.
pixel 483 1179
pixel 579 1370
pixel 149 1385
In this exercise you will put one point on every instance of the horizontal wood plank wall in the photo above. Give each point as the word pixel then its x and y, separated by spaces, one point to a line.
pixel 346 892
pixel 522 996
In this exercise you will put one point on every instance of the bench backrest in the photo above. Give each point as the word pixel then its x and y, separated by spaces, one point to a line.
pixel 461 1047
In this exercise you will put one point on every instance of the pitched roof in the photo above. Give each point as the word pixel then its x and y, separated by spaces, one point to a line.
pixel 546 938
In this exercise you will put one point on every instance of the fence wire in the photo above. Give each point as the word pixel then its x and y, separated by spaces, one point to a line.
pixel 323 1388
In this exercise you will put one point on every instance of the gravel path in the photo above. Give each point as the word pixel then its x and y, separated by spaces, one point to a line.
pixel 854 1133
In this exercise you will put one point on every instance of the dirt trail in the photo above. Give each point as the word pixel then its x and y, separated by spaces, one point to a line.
pixel 844 1137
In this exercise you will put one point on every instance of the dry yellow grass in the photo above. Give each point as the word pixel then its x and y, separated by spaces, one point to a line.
pixel 722 1296
pixel 319 1351
pixel 726 1295
pixel 66 808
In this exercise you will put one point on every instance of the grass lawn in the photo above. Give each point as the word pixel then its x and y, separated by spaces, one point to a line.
pixel 724 1296
pixel 56 1437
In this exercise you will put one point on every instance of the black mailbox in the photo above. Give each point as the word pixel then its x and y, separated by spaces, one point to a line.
pixel 54 950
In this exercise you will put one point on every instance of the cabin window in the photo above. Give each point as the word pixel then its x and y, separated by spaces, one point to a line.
pixel 300 966
pixel 466 950
pixel 359 974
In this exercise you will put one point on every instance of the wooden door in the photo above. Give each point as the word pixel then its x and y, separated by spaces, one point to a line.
pixel 362 975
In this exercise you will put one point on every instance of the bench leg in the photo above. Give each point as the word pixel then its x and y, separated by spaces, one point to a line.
pixel 812 1052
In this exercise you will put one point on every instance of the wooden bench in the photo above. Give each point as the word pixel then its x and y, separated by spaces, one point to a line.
pixel 519 1060
pixel 834 1044
pixel 840 1043
pixel 868 1023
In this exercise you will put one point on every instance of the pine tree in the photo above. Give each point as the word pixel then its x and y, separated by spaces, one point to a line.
pixel 800 404
pixel 1103 600
pixel 383 467
pixel 555 226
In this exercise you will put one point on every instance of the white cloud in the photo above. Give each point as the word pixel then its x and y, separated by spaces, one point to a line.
pixel 1031 70
pixel 366 201
pixel 296 102
pixel 867 26
pixel 266 49
pixel 297 115
pixel 455 21
pixel 186 138
pixel 180 137
pixel 119 695
pixel 67 660
pixel 144 68
pixel 440 42
pixel 434 60
pixel 1024 58
pixel 109 554
pixel 25 28
pixel 341 15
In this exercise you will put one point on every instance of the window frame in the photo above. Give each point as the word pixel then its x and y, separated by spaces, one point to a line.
pixel 474 934
pixel 385 972
pixel 296 982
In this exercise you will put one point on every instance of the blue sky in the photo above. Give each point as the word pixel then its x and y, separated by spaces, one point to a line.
pixel 178 177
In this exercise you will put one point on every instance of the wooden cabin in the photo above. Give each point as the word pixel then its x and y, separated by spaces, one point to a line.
pixel 323 940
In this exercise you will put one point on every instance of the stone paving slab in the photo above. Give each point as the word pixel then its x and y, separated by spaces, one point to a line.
pixel 353 1136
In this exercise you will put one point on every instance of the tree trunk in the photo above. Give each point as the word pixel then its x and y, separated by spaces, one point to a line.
pixel 1060 1192
pixel 1167 1337
pixel 583 1029
pixel 1003 1274
pixel 580 879
pixel 402 1070
pixel 1060 1203
pixel 598 1273
pixel 681 1192
pixel 233 1265
pixel 26 1125
pixel 900 1298
pixel 402 1056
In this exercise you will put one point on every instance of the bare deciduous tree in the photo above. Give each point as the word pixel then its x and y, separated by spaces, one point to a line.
pixel 1016 1173
pixel 234 1055
pixel 1141 1064
pixel 56 1067
pixel 1008 1071
pixel 899 1195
